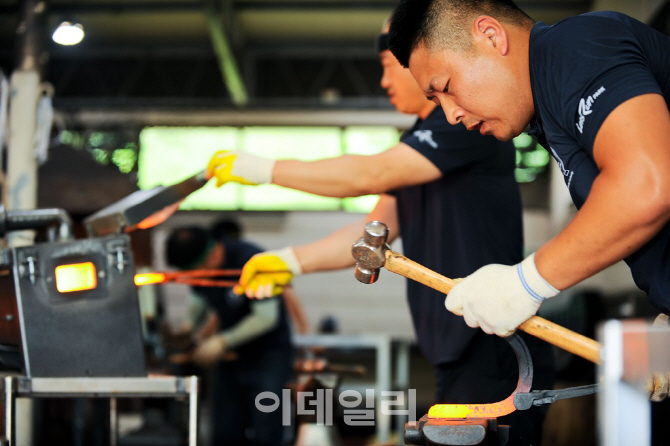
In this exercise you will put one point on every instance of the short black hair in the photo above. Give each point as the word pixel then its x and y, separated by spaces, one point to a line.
pixel 406 28
pixel 445 24
pixel 225 228
pixel 186 245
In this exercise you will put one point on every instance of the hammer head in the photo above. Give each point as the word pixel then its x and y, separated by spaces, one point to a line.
pixel 369 251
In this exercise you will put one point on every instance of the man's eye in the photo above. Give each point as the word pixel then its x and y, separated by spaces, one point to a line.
pixel 446 88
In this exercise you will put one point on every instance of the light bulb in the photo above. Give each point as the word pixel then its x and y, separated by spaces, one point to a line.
pixel 68 33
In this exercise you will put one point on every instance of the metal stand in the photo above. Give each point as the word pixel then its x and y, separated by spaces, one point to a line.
pixel 112 388
pixel 445 431
pixel 383 382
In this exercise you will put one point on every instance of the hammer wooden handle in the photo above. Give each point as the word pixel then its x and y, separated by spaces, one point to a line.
pixel 550 332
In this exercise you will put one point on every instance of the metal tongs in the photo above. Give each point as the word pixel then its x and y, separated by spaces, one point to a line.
pixel 521 399
pixel 198 277
pixel 466 424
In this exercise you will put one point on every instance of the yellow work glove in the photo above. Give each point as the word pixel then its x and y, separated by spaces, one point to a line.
pixel 240 167
pixel 266 273
pixel 210 350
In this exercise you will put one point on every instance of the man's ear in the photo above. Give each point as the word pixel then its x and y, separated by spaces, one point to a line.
pixel 489 32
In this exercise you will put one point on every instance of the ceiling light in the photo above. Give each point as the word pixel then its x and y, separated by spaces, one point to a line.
pixel 68 33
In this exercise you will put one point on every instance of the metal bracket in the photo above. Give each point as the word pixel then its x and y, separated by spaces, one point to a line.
pixel 118 255
pixel 28 266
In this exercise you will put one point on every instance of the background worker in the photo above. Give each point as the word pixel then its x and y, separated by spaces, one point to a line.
pixel 232 230
pixel 449 191
pixel 250 345
pixel 595 91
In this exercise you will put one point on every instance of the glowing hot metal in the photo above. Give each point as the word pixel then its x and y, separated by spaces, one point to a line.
pixel 501 408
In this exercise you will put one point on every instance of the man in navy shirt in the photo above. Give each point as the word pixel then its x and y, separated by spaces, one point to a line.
pixel 452 197
pixel 248 342
pixel 595 90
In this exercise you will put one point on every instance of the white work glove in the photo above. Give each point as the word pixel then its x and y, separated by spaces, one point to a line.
pixel 240 167
pixel 498 298
pixel 267 273
pixel 210 350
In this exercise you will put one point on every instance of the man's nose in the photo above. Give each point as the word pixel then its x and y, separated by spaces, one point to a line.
pixel 454 113
pixel 384 81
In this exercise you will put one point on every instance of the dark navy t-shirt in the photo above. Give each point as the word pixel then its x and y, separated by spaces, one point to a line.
pixel 581 69
pixel 467 219
pixel 231 308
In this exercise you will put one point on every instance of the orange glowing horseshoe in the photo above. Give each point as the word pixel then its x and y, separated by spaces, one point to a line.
pixel 501 408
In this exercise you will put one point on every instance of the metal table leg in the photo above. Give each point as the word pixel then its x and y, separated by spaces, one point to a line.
pixel 112 388
pixel 9 410
pixel 113 422
pixel 192 411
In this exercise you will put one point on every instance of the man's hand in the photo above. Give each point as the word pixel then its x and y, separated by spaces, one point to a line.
pixel 210 350
pixel 658 385
pixel 498 298
pixel 266 274
pixel 240 167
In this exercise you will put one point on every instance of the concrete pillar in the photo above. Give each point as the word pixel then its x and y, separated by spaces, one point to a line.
pixel 20 189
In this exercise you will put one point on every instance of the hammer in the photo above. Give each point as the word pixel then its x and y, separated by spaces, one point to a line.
pixel 372 252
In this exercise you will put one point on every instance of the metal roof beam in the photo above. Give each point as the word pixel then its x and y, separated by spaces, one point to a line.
pixel 224 53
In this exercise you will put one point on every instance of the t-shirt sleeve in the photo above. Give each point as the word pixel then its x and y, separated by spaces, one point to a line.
pixel 448 147
pixel 600 66
pixel 616 86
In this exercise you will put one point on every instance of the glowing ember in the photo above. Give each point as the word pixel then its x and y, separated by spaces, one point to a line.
pixel 149 278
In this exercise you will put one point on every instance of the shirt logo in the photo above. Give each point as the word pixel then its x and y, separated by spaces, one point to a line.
pixel 425 136
pixel 584 108
pixel 566 173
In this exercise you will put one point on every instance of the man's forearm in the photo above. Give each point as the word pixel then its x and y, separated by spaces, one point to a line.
pixel 263 318
pixel 334 251
pixel 330 253
pixel 340 177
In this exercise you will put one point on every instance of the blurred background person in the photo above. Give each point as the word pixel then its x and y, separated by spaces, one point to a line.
pixel 247 341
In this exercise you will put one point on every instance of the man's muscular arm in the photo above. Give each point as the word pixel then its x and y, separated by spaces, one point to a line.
pixel 628 204
pixel 629 201
pixel 355 175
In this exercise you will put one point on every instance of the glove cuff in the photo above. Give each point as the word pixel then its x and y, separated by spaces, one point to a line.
pixel 531 280
pixel 252 168
pixel 288 256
